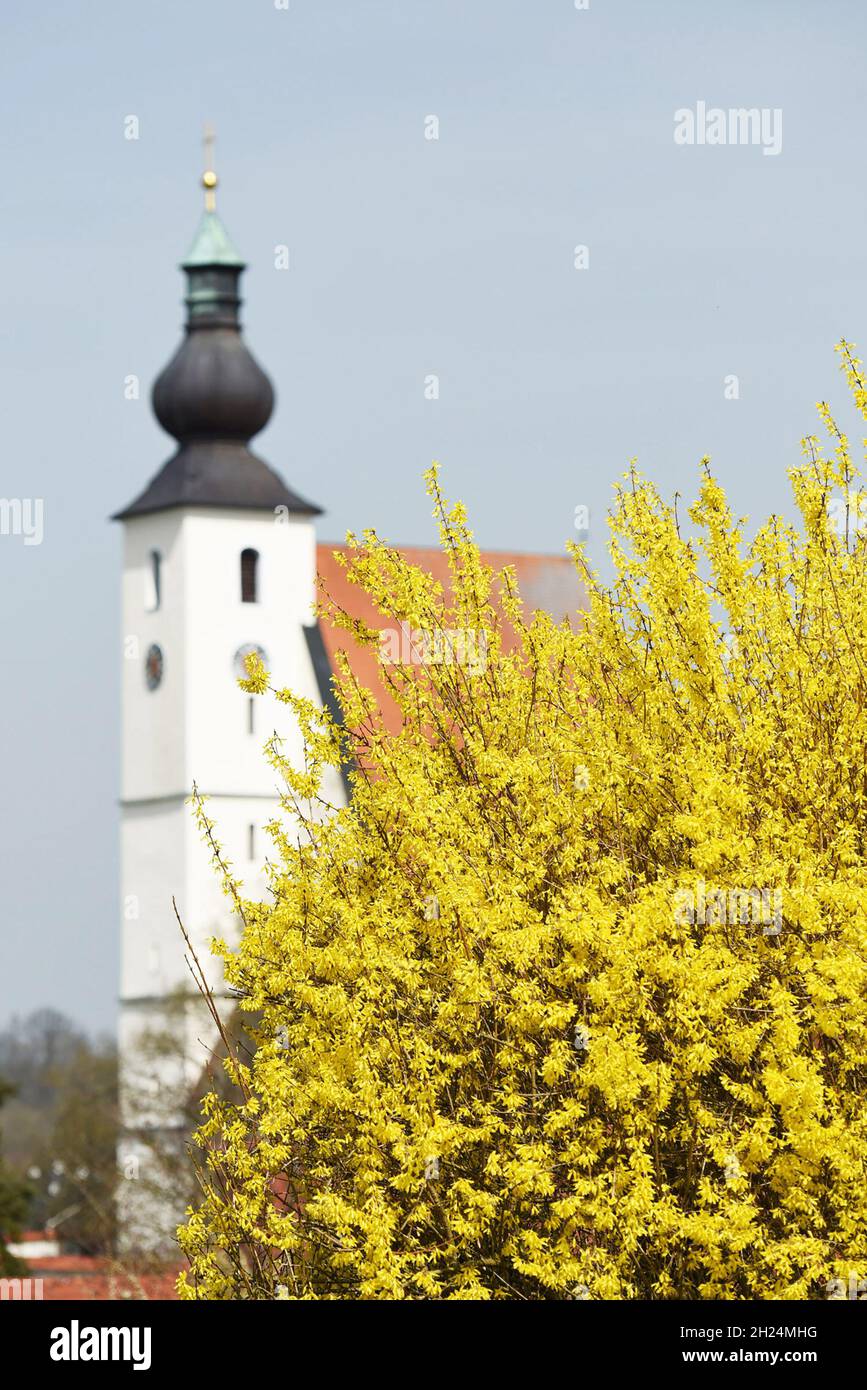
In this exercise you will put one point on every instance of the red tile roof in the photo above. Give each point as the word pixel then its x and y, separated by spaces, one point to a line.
pixel 83 1278
pixel 547 582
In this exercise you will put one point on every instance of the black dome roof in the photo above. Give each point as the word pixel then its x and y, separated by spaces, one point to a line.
pixel 213 397
pixel 213 388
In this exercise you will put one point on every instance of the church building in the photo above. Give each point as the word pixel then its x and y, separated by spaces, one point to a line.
pixel 220 558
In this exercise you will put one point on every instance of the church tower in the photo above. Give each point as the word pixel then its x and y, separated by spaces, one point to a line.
pixel 219 559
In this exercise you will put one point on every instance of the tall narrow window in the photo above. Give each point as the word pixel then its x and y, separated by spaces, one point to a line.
pixel 153 595
pixel 249 576
pixel 251 842
pixel 251 716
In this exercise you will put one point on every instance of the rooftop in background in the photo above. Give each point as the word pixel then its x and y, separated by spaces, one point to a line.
pixel 86 1279
pixel 547 582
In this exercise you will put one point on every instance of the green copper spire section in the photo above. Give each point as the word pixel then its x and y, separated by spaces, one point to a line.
pixel 213 268
pixel 211 246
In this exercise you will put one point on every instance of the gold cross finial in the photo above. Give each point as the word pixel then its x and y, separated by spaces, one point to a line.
pixel 209 178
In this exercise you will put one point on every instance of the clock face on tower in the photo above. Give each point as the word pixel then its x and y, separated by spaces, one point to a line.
pixel 239 662
pixel 153 666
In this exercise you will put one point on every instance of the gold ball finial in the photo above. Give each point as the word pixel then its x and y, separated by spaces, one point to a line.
pixel 209 178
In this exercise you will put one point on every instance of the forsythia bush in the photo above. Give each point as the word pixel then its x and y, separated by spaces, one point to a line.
pixel 525 1024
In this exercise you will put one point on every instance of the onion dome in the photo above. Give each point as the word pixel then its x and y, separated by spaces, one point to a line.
pixel 213 396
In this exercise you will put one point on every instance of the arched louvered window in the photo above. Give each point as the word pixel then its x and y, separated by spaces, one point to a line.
pixel 249 576
pixel 154 582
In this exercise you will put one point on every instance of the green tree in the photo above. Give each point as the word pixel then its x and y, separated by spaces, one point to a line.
pixel 14 1201
pixel 77 1160
pixel 62 1124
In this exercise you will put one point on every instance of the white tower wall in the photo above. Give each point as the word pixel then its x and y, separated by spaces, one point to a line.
pixel 195 727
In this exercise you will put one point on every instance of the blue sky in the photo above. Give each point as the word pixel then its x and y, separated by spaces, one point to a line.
pixel 407 257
